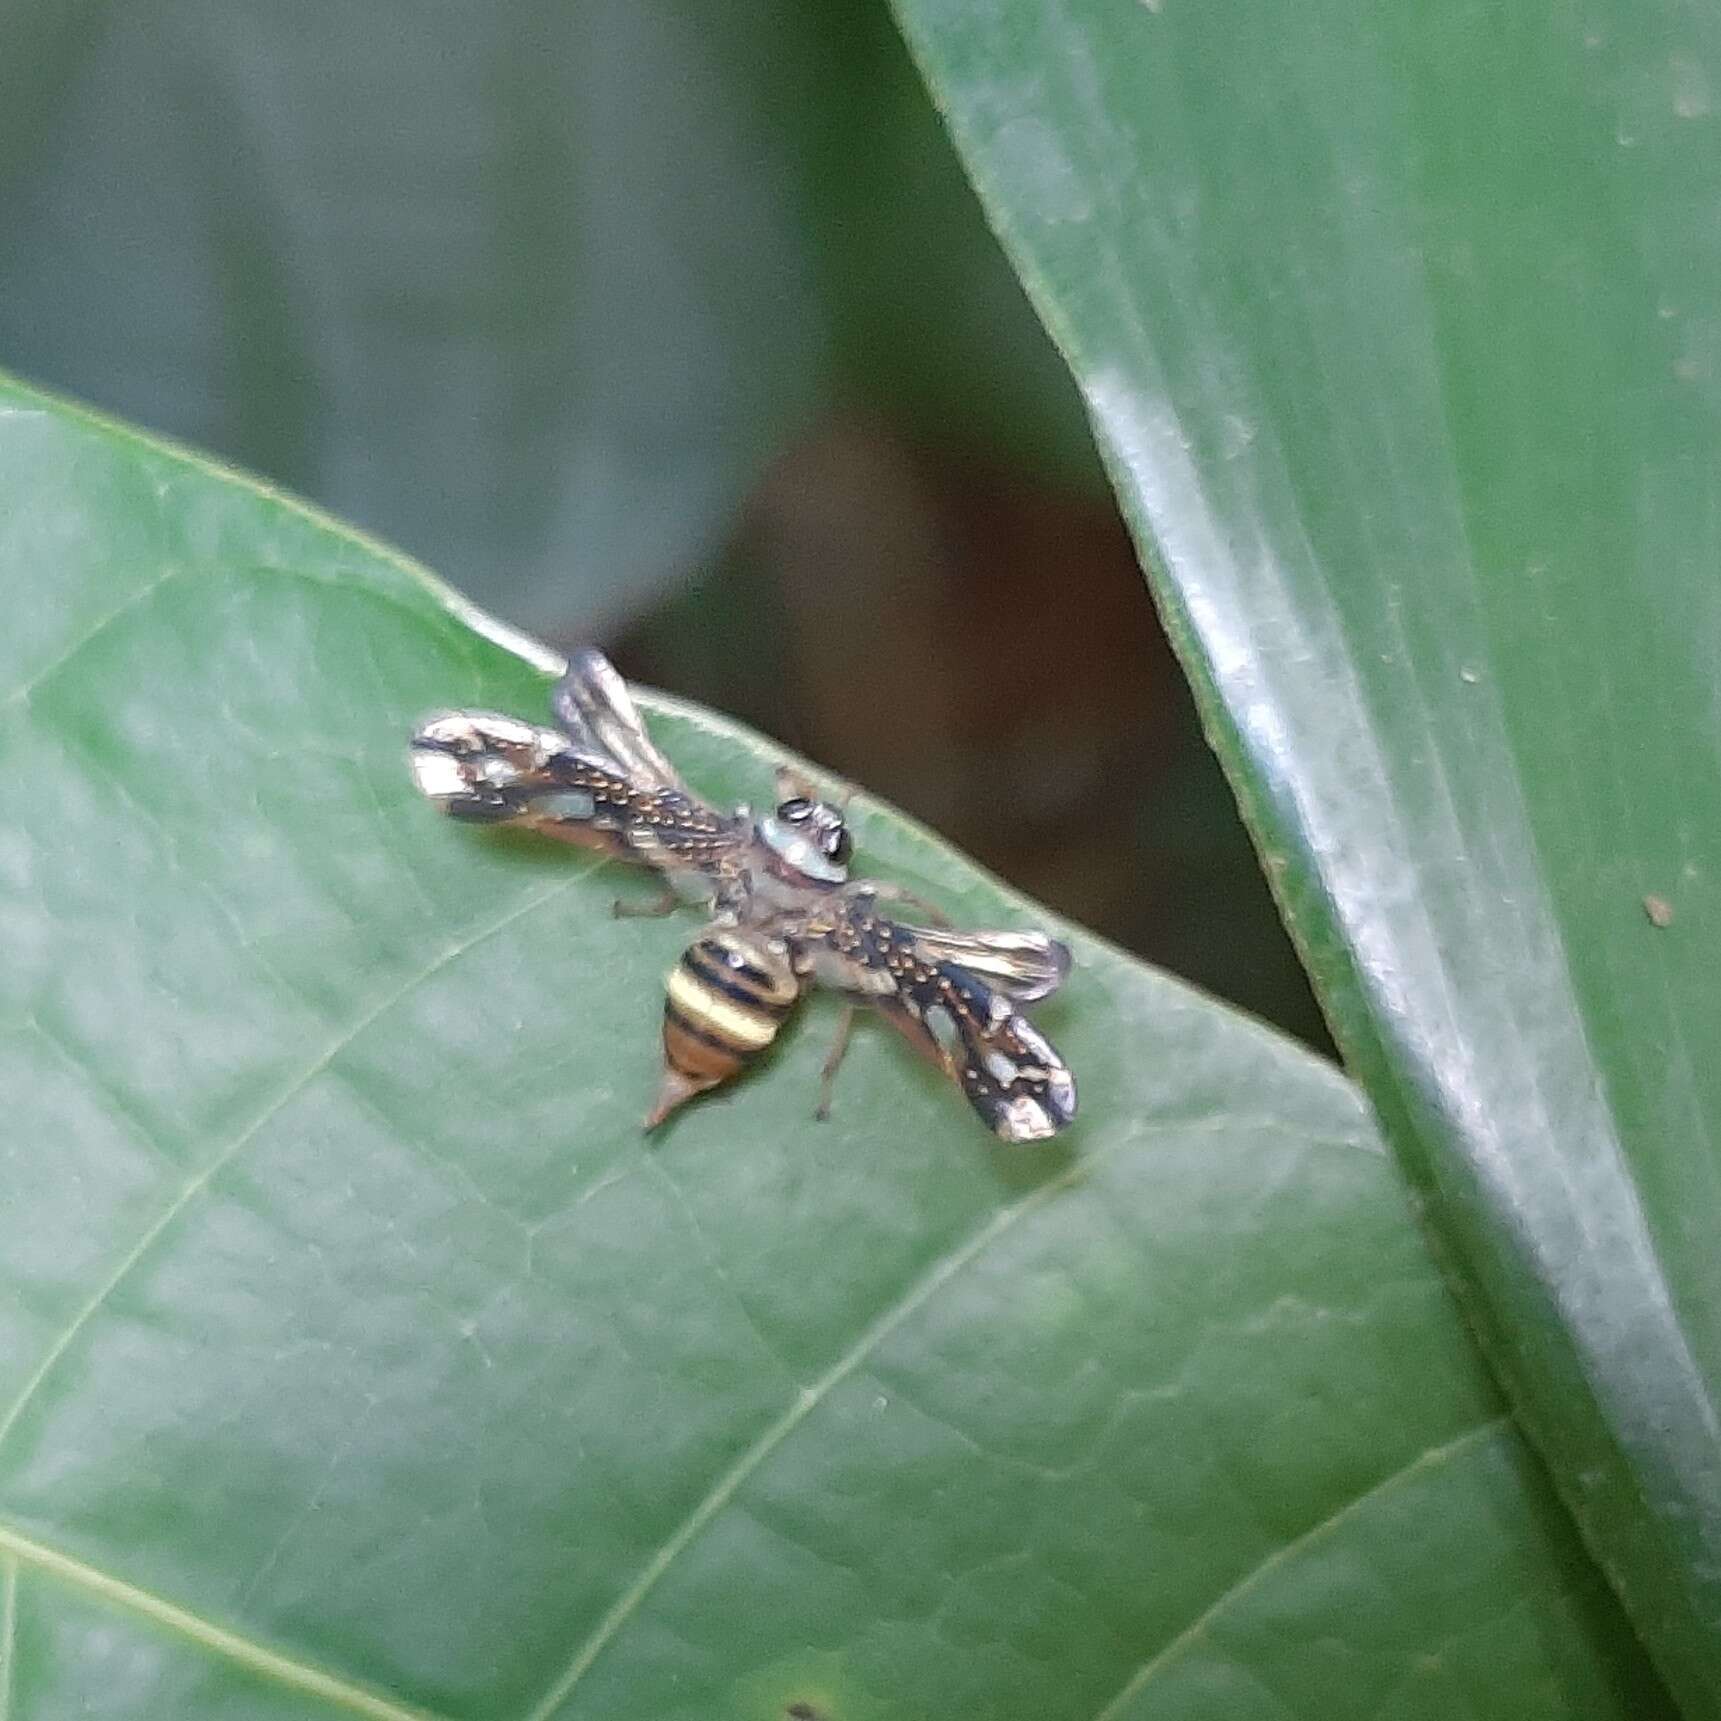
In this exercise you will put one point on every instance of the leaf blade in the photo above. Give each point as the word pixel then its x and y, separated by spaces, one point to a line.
pixel 355 1321
pixel 1360 308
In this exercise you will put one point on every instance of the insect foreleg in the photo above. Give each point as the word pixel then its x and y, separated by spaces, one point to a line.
pixel 885 890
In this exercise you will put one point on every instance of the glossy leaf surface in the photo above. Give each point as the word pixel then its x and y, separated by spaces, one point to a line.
pixel 358 1356
pixel 1398 327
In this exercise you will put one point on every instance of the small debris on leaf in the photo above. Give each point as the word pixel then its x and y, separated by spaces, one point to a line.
pixel 1659 910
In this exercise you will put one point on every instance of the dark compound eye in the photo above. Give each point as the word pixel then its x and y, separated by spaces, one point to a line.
pixel 838 846
pixel 796 811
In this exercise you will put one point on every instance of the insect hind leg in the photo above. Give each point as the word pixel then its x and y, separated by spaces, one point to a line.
pixel 834 1062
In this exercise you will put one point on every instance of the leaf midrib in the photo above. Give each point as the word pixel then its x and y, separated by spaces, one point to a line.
pixel 1264 1568
pixel 933 1279
pixel 21 1550
pixel 805 1402
pixel 283 1096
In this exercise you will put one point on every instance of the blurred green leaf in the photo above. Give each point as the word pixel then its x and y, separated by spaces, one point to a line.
pixel 357 1354
pixel 526 287
pixel 537 292
pixel 930 328
pixel 1398 327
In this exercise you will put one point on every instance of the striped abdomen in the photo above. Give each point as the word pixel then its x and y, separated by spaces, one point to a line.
pixel 726 999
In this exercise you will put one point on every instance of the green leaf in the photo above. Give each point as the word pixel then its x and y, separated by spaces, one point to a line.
pixel 949 349
pixel 358 1355
pixel 1398 328
pixel 468 287
pixel 533 289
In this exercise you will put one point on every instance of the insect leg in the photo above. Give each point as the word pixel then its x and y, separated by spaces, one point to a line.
pixel 833 1062
pixel 885 890
pixel 653 908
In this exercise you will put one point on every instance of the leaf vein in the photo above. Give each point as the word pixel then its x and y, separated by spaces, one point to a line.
pixel 290 1089
pixel 257 1658
pixel 1432 1459
pixel 20 695
pixel 807 1401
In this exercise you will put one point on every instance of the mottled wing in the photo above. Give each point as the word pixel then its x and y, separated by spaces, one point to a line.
pixel 1024 966
pixel 485 768
pixel 970 1028
pixel 595 709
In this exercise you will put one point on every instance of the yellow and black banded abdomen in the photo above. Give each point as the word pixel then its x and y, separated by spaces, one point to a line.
pixel 725 1000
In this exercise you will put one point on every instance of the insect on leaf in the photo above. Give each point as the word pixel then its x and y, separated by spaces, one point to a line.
pixel 357 1356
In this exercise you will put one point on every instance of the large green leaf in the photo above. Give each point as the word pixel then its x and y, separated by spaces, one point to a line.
pixel 530 285
pixel 543 292
pixel 357 1353
pixel 951 348
pixel 1398 327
